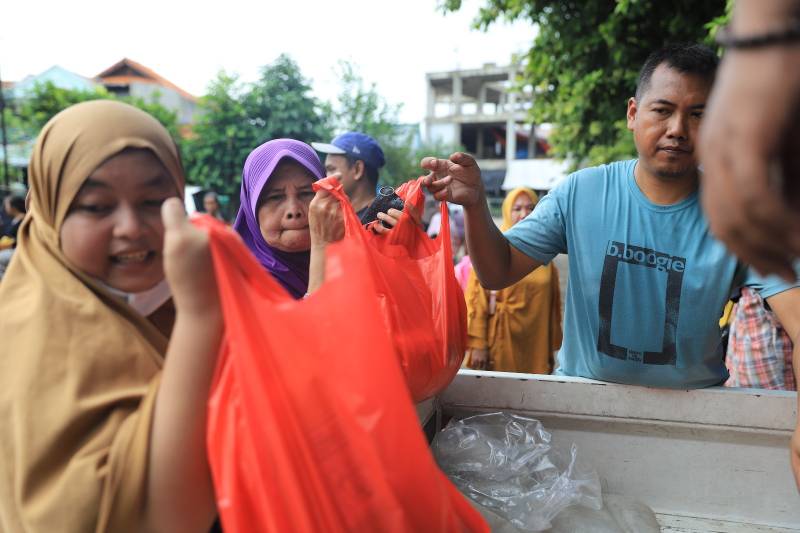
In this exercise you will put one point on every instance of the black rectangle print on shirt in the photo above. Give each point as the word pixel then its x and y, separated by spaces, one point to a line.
pixel 671 266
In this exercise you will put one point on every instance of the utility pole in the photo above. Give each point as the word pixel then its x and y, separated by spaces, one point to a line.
pixel 5 137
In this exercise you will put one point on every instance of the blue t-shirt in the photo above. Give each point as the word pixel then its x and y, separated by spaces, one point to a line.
pixel 647 282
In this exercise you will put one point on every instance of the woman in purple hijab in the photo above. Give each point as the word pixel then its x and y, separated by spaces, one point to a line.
pixel 273 216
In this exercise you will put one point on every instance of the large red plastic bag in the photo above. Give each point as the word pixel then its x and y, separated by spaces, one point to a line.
pixel 422 303
pixel 310 425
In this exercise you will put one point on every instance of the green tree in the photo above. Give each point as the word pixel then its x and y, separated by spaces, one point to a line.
pixel 221 137
pixel 46 100
pixel 361 108
pixel 167 117
pixel 27 115
pixel 584 61
pixel 280 105
pixel 16 128
pixel 16 132
pixel 234 118
pixel 715 24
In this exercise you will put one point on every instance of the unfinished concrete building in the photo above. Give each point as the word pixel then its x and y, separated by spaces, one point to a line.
pixel 477 110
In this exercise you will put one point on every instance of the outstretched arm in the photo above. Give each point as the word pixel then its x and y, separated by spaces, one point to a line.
pixel 458 180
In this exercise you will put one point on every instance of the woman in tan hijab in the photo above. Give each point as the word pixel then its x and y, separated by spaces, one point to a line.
pixel 518 328
pixel 99 433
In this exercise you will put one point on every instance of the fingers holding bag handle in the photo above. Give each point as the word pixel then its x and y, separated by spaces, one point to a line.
pixel 325 217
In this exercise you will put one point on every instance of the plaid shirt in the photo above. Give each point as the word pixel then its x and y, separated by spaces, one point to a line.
pixel 759 350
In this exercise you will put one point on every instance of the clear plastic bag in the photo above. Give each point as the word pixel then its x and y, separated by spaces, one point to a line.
pixel 619 514
pixel 507 464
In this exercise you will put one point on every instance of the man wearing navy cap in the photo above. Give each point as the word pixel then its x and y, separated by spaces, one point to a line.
pixel 357 157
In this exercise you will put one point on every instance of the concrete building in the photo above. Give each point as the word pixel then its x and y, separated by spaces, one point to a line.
pixel 129 78
pixel 478 110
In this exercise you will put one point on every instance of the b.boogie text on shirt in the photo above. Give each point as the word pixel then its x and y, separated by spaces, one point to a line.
pixel 637 255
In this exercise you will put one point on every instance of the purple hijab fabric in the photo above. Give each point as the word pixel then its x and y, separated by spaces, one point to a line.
pixel 289 268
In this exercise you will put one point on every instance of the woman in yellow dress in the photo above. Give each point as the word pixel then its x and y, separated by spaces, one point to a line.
pixel 518 328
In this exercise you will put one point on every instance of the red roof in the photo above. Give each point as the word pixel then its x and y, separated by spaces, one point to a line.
pixel 127 71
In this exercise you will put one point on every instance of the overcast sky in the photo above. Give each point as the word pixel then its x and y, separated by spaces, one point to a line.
pixel 392 42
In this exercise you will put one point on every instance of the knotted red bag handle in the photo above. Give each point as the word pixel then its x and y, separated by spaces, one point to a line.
pixel 352 225
pixel 411 193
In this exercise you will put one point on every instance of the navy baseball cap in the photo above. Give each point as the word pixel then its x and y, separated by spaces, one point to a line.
pixel 356 145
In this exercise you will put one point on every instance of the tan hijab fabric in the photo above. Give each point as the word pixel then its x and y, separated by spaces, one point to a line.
pixel 79 368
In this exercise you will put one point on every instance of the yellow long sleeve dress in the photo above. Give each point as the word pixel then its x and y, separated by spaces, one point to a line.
pixel 519 325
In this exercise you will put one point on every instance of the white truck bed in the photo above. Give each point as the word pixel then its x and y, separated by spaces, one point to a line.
pixel 704 460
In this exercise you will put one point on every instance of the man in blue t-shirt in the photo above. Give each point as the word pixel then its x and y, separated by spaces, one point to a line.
pixel 647 281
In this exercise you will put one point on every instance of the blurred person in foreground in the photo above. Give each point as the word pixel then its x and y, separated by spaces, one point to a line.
pixel 750 140
pixel 750 148
pixel 110 331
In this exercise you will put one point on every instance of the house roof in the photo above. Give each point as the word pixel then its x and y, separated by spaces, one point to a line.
pixel 127 71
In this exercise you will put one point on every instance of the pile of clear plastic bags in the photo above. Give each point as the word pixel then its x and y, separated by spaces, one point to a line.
pixel 509 467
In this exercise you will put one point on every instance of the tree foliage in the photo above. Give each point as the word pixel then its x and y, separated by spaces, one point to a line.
pixel 235 117
pixel 46 100
pixel 221 138
pixel 280 105
pixel 27 115
pixel 585 58
pixel 167 117
pixel 361 108
pixel 33 111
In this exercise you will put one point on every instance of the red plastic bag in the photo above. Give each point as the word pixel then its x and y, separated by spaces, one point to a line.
pixel 422 303
pixel 310 424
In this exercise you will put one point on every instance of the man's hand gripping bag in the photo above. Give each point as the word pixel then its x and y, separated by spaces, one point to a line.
pixel 422 304
pixel 310 424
